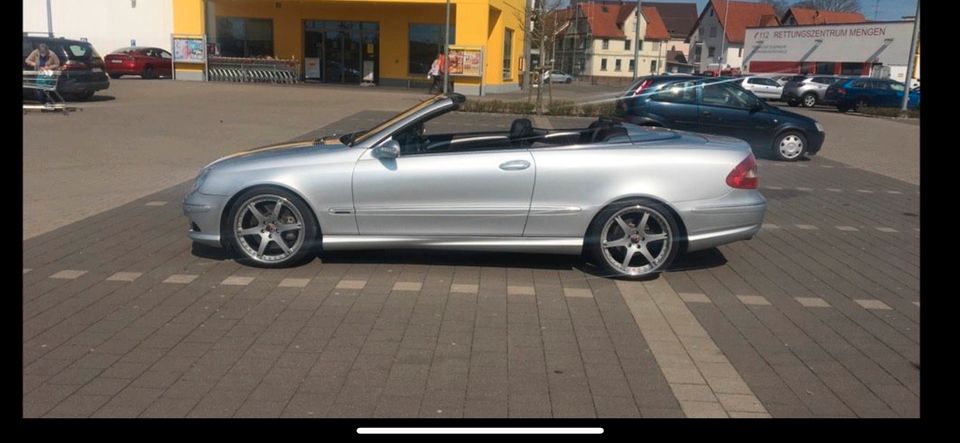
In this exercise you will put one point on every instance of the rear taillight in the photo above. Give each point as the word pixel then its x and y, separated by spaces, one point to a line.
pixel 71 65
pixel 644 85
pixel 745 175
pixel 841 91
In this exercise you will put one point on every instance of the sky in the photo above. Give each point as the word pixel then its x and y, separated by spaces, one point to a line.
pixel 885 9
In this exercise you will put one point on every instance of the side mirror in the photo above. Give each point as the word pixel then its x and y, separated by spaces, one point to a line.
pixel 389 149
pixel 757 106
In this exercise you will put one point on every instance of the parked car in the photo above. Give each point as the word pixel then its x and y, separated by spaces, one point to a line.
pixel 557 77
pixel 719 106
pixel 145 62
pixel 763 87
pixel 629 197
pixel 855 93
pixel 81 68
pixel 808 91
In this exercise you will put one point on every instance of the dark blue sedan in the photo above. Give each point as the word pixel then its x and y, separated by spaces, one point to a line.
pixel 720 106
pixel 856 93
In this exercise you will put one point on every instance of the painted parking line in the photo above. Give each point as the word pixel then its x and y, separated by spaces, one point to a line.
pixel 577 293
pixel 68 274
pixel 873 304
pixel 125 276
pixel 694 297
pixel 807 227
pixel 520 290
pixel 351 284
pixel 769 226
pixel 294 282
pixel 156 203
pixel 894 192
pixel 865 191
pixel 812 302
pixel 834 190
pixel 774 188
pixel 699 375
pixel 755 300
pixel 407 286
pixel 234 280
pixel 826 166
pixel 464 288
pixel 26 270
pixel 801 188
pixel 847 228
pixel 884 229
pixel 181 279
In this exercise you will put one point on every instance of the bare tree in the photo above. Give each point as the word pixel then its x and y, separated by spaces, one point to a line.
pixel 542 35
pixel 830 5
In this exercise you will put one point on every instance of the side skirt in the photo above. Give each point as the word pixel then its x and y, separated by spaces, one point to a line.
pixel 546 245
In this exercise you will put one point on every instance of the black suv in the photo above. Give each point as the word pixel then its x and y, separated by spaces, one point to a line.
pixel 720 106
pixel 81 68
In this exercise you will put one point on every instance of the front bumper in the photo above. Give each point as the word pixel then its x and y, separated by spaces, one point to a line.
pixel 734 217
pixel 204 212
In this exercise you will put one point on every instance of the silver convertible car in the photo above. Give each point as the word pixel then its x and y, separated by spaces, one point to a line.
pixel 630 198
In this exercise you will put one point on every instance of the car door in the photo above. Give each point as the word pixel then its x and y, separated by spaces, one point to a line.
pixel 726 109
pixel 757 86
pixel 675 105
pixel 479 190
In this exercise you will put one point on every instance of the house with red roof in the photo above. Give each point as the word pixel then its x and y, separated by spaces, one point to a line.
pixel 804 16
pixel 716 40
pixel 599 38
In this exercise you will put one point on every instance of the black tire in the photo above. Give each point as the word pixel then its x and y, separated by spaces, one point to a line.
pixel 663 222
pixel 860 104
pixel 789 153
pixel 809 100
pixel 793 103
pixel 301 246
pixel 148 72
pixel 115 76
pixel 569 80
pixel 843 108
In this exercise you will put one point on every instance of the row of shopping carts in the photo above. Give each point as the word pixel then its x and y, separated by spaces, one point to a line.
pixel 228 69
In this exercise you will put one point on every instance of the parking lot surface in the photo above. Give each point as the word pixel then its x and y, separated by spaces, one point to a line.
pixel 817 316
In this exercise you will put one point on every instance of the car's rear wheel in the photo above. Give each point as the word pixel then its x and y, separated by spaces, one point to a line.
pixel 114 76
pixel 635 238
pixel 809 100
pixel 860 104
pixel 793 103
pixel 789 146
pixel 271 227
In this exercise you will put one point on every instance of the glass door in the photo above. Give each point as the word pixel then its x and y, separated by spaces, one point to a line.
pixel 332 57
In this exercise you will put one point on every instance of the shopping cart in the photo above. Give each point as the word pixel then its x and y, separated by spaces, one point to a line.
pixel 45 81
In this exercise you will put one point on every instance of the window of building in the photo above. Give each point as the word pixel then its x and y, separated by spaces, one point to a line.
pixel 653 66
pixel 640 45
pixel 507 53
pixel 606 43
pixel 851 68
pixel 713 31
pixel 245 37
pixel 633 65
pixel 739 52
pixel 426 41
pixel 824 68
pixel 656 46
pixel 626 45
pixel 710 51
pixel 617 66
pixel 603 64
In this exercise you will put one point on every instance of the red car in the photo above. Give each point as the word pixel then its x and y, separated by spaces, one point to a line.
pixel 145 62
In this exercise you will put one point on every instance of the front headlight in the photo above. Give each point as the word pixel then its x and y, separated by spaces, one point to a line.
pixel 819 127
pixel 200 178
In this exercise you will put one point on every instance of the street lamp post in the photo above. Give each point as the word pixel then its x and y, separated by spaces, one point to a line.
pixel 636 44
pixel 49 20
pixel 446 51
pixel 913 54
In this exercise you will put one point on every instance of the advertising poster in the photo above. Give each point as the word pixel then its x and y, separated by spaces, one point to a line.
pixel 312 67
pixel 188 50
pixel 466 62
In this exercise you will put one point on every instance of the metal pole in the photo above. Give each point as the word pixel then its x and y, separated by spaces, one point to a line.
pixel 528 30
pixel 446 51
pixel 636 44
pixel 49 20
pixel 723 34
pixel 910 69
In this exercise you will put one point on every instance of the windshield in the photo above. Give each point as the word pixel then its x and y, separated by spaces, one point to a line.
pixel 420 106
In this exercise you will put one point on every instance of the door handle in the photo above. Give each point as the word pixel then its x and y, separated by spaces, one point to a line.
pixel 706 113
pixel 515 165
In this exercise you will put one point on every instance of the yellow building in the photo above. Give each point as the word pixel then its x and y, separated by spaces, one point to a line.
pixel 389 42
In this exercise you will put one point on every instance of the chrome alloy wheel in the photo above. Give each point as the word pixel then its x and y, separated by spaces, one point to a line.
pixel 809 100
pixel 269 228
pixel 791 146
pixel 636 240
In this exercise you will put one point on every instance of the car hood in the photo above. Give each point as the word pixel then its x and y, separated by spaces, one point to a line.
pixel 279 152
pixel 799 118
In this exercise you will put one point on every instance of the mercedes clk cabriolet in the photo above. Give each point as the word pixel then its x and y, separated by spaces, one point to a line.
pixel 629 198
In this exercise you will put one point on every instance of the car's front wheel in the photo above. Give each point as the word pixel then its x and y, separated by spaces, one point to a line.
pixel 271 227
pixel 789 146
pixel 809 100
pixel 633 239
pixel 793 103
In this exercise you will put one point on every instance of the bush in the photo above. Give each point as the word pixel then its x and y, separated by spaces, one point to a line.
pixel 498 106
pixel 562 107
pixel 557 107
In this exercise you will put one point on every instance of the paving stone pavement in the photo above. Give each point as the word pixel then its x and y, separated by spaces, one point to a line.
pixel 123 317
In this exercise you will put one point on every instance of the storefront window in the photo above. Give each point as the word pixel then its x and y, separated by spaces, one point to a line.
pixel 245 37
pixel 824 68
pixel 851 68
pixel 426 41
pixel 507 53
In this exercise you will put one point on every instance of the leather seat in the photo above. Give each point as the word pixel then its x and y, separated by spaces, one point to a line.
pixel 521 130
